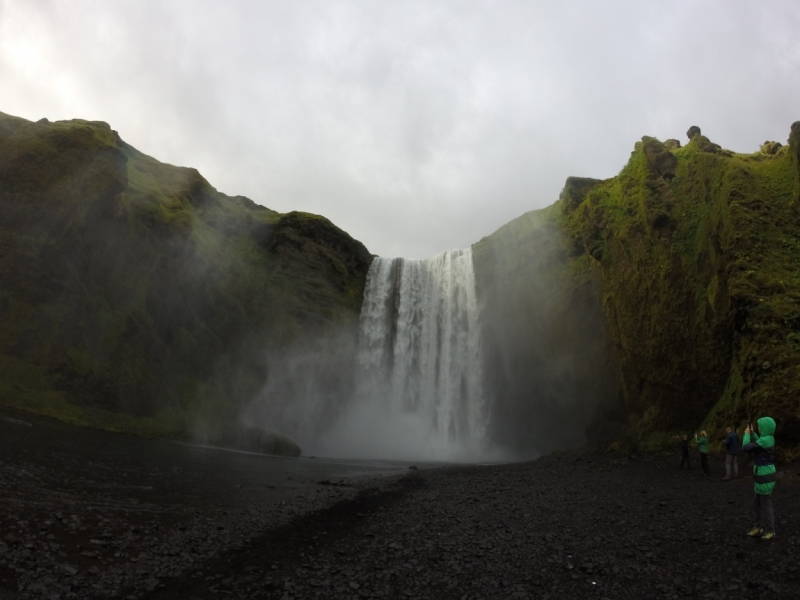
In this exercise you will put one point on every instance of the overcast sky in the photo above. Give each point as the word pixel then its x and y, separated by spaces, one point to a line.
pixel 414 126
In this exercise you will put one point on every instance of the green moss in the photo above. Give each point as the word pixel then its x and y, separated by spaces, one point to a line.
pixel 695 272
pixel 125 282
pixel 26 387
pixel 695 256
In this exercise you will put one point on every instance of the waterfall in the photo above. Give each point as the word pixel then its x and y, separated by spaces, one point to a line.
pixel 411 388
pixel 419 368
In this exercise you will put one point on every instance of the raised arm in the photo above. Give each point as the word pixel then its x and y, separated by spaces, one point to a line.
pixel 749 440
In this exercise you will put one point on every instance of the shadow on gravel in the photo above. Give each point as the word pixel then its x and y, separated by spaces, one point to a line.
pixel 288 544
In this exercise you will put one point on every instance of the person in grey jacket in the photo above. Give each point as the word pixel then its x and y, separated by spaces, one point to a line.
pixel 731 444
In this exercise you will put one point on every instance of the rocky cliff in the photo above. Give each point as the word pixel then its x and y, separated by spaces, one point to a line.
pixel 692 256
pixel 134 295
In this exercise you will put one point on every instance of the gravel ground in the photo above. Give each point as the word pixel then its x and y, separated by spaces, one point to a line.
pixel 566 526
pixel 85 513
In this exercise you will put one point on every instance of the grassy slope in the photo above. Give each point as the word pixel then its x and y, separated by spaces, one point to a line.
pixel 125 283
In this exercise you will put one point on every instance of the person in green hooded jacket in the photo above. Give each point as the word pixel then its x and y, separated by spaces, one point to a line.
pixel 761 447
pixel 702 445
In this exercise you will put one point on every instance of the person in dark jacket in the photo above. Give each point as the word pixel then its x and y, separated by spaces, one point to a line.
pixel 764 475
pixel 731 444
pixel 702 445
pixel 685 452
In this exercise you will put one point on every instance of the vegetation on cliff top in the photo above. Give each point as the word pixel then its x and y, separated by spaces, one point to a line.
pixel 133 294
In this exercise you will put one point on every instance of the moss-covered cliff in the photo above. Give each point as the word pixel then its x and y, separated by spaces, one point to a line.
pixel 133 294
pixel 694 257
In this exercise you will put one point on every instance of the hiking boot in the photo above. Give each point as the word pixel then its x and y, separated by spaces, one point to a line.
pixel 755 532
pixel 726 478
pixel 768 536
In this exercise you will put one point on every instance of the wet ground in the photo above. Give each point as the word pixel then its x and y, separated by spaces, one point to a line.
pixel 87 514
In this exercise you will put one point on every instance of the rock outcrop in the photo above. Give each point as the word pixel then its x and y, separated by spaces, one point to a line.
pixel 575 190
pixel 660 160
pixel 794 139
pixel 264 441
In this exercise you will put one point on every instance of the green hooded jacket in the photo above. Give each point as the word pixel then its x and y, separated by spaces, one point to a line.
pixel 702 444
pixel 761 448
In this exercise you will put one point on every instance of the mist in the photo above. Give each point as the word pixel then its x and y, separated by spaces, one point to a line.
pixel 550 366
pixel 505 363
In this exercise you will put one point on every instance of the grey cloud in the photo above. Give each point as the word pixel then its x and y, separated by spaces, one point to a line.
pixel 415 126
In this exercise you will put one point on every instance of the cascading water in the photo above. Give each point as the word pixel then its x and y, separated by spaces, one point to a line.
pixel 415 381
pixel 419 381
pixel 419 347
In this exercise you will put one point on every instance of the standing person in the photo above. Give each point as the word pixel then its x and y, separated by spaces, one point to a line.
pixel 731 444
pixel 764 475
pixel 685 452
pixel 702 445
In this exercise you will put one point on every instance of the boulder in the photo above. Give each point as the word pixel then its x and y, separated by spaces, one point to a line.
pixel 703 143
pixel 255 439
pixel 672 144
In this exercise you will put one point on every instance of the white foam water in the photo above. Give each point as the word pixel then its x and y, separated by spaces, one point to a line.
pixel 419 381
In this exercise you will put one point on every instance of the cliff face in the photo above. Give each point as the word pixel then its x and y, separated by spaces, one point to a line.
pixel 550 366
pixel 698 254
pixel 133 294
pixel 693 255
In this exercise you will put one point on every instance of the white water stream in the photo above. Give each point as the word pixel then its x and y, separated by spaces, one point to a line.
pixel 417 388
pixel 419 380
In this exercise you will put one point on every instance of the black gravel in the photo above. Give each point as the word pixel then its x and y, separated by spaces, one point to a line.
pixel 567 526
pixel 561 527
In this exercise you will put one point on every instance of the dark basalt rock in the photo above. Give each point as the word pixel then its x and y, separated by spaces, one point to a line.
pixel 660 160
pixel 703 143
pixel 265 441
pixel 794 139
pixel 660 220
pixel 575 190
pixel 693 131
